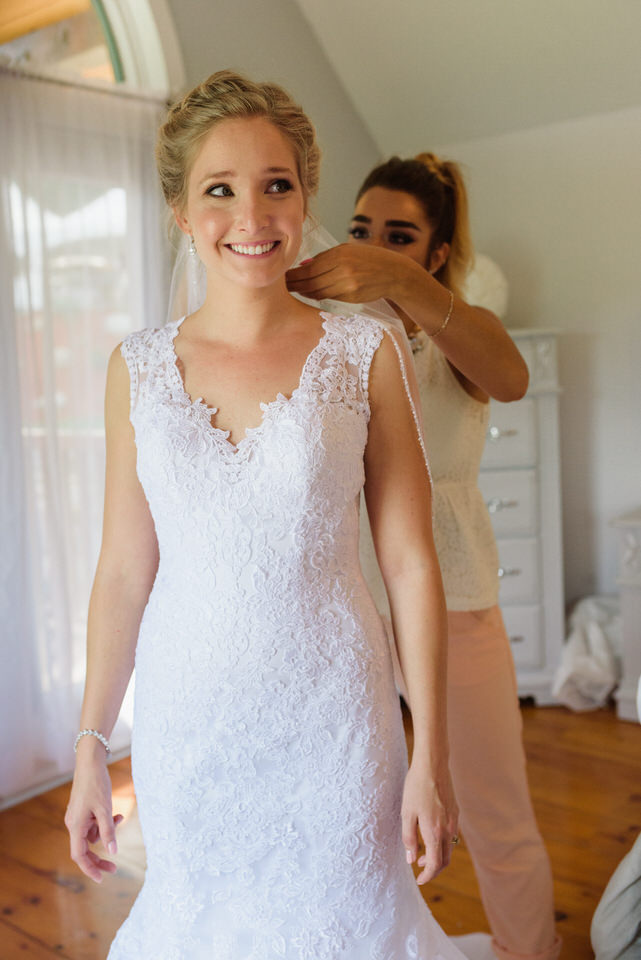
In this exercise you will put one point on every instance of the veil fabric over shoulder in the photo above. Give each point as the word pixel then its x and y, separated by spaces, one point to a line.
pixel 189 287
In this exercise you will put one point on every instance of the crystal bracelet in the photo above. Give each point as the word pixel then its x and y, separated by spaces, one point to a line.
pixel 91 733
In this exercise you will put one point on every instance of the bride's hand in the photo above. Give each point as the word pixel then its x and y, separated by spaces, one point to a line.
pixel 89 817
pixel 351 273
pixel 429 807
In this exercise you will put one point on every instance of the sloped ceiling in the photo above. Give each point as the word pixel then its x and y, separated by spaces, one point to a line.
pixel 430 72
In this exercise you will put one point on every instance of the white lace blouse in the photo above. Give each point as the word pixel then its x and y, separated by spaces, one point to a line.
pixel 455 426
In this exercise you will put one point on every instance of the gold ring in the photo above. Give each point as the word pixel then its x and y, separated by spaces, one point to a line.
pixel 455 839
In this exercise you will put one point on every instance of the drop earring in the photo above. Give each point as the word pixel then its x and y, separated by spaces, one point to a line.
pixel 192 248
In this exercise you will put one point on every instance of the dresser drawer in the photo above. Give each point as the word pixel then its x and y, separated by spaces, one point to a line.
pixel 518 571
pixel 523 625
pixel 511 435
pixel 511 497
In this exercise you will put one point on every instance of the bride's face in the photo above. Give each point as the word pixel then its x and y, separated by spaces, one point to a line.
pixel 245 203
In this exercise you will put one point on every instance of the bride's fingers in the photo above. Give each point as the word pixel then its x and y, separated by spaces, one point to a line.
pixel 85 858
pixel 105 865
pixel 93 833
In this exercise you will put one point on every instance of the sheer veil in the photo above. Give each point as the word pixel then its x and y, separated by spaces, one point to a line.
pixel 189 286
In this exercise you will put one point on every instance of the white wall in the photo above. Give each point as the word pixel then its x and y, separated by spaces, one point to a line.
pixel 559 208
pixel 271 40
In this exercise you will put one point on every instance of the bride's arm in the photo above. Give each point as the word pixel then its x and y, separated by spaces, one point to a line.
pixel 124 576
pixel 398 496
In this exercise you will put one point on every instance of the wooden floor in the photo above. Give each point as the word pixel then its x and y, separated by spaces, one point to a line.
pixel 584 774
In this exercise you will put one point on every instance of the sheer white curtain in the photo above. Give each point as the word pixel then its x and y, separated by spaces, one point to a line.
pixel 84 260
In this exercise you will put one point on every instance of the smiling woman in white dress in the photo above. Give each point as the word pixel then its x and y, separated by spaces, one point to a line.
pixel 278 811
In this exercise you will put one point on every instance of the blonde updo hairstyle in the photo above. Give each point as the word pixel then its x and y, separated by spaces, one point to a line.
pixel 439 187
pixel 227 95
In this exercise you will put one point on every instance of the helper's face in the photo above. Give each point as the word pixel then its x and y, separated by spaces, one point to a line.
pixel 394 220
pixel 245 203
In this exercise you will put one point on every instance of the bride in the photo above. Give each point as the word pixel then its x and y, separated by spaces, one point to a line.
pixel 279 813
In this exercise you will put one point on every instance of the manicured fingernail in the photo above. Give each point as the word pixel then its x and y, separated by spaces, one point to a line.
pixel 112 848
pixel 408 856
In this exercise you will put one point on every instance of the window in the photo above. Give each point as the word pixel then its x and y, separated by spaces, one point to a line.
pixel 82 220
pixel 108 41
pixel 73 38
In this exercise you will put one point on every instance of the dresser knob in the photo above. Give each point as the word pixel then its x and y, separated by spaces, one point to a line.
pixel 495 433
pixel 497 503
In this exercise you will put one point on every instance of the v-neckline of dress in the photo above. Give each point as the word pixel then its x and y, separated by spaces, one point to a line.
pixel 207 412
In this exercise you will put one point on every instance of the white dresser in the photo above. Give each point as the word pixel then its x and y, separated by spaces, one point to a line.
pixel 520 481
pixel 628 528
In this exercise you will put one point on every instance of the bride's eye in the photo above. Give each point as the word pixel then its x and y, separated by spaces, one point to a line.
pixel 280 186
pixel 359 233
pixel 220 190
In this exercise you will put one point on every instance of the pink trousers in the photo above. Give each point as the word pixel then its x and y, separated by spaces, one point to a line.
pixel 487 761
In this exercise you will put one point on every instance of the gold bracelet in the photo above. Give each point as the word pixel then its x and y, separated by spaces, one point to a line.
pixel 447 318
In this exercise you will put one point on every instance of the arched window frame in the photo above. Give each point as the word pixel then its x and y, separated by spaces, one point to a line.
pixel 147 43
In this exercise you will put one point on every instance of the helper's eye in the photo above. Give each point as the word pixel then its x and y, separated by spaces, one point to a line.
pixel 400 239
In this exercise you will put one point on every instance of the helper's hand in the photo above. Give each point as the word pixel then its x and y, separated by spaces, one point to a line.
pixel 352 273
pixel 429 807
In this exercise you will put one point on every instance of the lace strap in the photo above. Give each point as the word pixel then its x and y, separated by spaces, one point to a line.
pixel 373 331
pixel 372 343
pixel 144 351
pixel 129 352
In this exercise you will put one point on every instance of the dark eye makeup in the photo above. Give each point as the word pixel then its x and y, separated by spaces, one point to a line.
pixel 401 239
pixel 397 238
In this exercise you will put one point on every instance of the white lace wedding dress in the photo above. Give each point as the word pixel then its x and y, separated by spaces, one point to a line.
pixel 268 750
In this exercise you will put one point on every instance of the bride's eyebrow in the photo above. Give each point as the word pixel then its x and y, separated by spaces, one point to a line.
pixel 216 176
pixel 219 174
